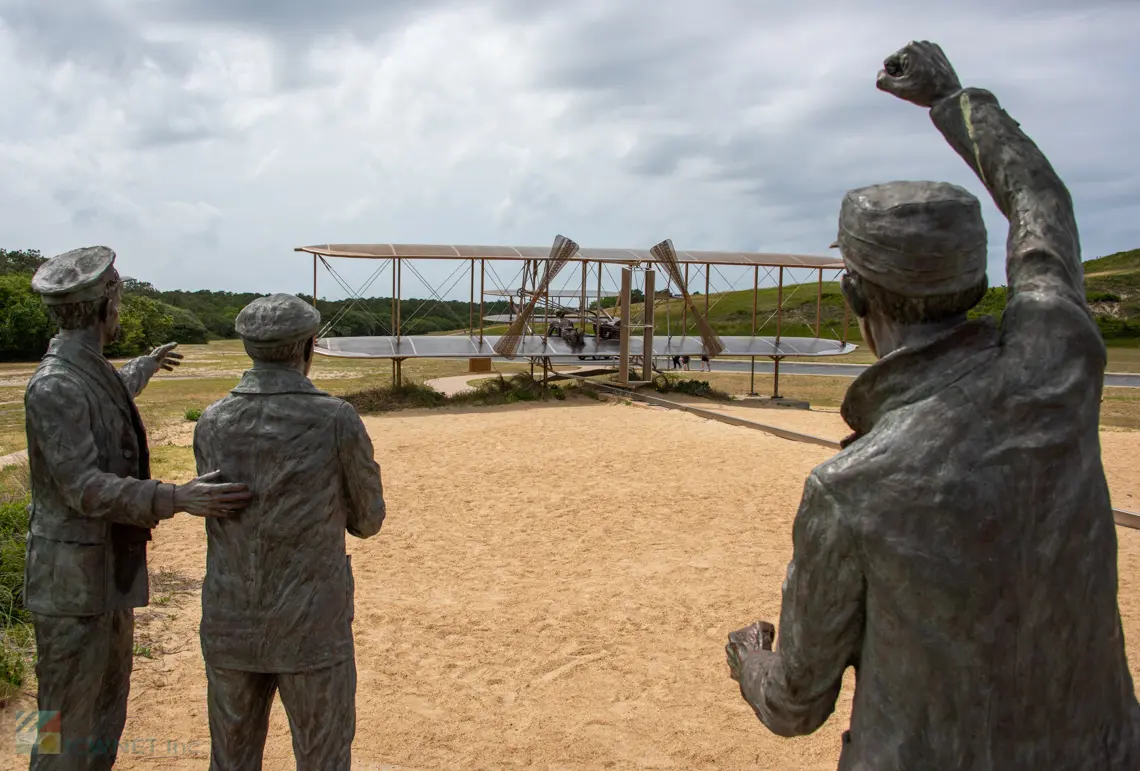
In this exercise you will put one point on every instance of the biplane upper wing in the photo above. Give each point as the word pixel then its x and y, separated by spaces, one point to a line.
pixel 462 346
pixel 614 256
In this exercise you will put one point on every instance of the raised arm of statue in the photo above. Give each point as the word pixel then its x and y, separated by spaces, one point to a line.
pixel 362 483
pixel 1044 248
pixel 137 373
pixel 793 690
pixel 58 415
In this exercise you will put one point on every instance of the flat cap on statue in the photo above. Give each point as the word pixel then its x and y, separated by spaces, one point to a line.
pixel 915 238
pixel 278 319
pixel 75 276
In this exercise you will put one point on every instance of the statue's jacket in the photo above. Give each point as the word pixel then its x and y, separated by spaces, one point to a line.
pixel 960 551
pixel 278 594
pixel 93 502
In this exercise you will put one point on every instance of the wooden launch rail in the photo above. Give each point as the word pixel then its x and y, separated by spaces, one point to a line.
pixel 1122 518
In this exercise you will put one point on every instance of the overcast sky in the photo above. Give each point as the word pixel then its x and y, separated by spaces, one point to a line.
pixel 204 139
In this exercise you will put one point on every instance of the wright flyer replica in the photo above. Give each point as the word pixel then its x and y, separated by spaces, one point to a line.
pixel 571 322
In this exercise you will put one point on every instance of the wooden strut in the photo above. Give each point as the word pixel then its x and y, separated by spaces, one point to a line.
pixel 755 294
pixel 399 320
pixel 623 326
pixel 392 311
pixel 647 329
pixel 685 308
pixel 582 313
pixel 598 307
pixel 846 321
pixel 779 328
pixel 707 270
pixel 819 305
pixel 482 287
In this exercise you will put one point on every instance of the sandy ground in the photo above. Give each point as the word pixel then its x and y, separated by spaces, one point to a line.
pixel 552 589
pixel 456 384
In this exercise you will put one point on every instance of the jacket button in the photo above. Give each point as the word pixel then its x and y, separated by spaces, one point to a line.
pixel 128 454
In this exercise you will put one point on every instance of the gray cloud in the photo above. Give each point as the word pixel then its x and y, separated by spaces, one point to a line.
pixel 207 138
pixel 88 32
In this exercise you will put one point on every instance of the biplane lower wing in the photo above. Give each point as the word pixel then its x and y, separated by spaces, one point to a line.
pixel 464 346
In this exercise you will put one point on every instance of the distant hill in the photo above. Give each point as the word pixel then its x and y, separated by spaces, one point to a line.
pixel 151 316
pixel 1112 287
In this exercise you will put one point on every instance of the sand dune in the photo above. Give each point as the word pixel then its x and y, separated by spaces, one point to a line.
pixel 553 589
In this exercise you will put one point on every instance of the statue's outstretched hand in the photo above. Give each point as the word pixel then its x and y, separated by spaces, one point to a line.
pixel 209 496
pixel 165 357
pixel 754 637
pixel 919 73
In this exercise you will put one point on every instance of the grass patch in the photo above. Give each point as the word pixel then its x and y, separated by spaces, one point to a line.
pixel 17 640
pixel 488 392
pixel 671 384
pixel 390 398
pixel 165 585
pixel 1121 408
pixel 172 463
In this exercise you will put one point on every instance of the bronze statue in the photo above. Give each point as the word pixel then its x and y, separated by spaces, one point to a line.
pixel 93 508
pixel 277 604
pixel 960 552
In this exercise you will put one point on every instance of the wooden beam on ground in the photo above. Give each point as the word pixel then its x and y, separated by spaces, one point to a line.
pixel 1126 518
pixel 731 420
pixel 647 331
pixel 623 325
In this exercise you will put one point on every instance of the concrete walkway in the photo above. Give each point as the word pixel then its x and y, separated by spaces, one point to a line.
pixel 15 459
pixel 457 384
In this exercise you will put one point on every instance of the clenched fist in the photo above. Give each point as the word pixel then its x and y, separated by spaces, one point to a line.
pixel 919 73
pixel 754 637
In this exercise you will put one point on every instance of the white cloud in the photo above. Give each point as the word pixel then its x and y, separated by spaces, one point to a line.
pixel 204 144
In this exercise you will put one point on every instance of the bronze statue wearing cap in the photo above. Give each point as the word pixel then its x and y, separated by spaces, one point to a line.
pixel 93 507
pixel 277 603
pixel 960 552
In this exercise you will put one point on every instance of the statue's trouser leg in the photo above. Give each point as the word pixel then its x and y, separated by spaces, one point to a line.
pixel 321 706
pixel 238 704
pixel 84 671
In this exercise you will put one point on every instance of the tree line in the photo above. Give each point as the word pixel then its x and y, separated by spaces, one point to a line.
pixel 151 317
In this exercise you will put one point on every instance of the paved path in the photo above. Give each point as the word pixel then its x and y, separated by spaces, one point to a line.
pixel 764 367
pixel 457 384
pixel 14 459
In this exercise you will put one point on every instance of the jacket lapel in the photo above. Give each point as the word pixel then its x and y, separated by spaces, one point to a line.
pixel 101 375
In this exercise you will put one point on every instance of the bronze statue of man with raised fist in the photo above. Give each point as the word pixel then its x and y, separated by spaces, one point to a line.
pixel 960 551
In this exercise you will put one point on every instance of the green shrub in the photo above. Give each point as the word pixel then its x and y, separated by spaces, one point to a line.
pixel 390 398
pixel 701 388
pixel 520 387
pixel 1102 297
pixel 1114 328
pixel 13 532
pixel 13 668
pixel 193 414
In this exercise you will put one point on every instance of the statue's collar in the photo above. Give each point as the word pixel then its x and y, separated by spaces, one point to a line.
pixel 79 352
pixel 911 374
pixel 275 380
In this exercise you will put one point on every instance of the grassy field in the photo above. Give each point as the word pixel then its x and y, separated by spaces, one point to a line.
pixel 209 371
